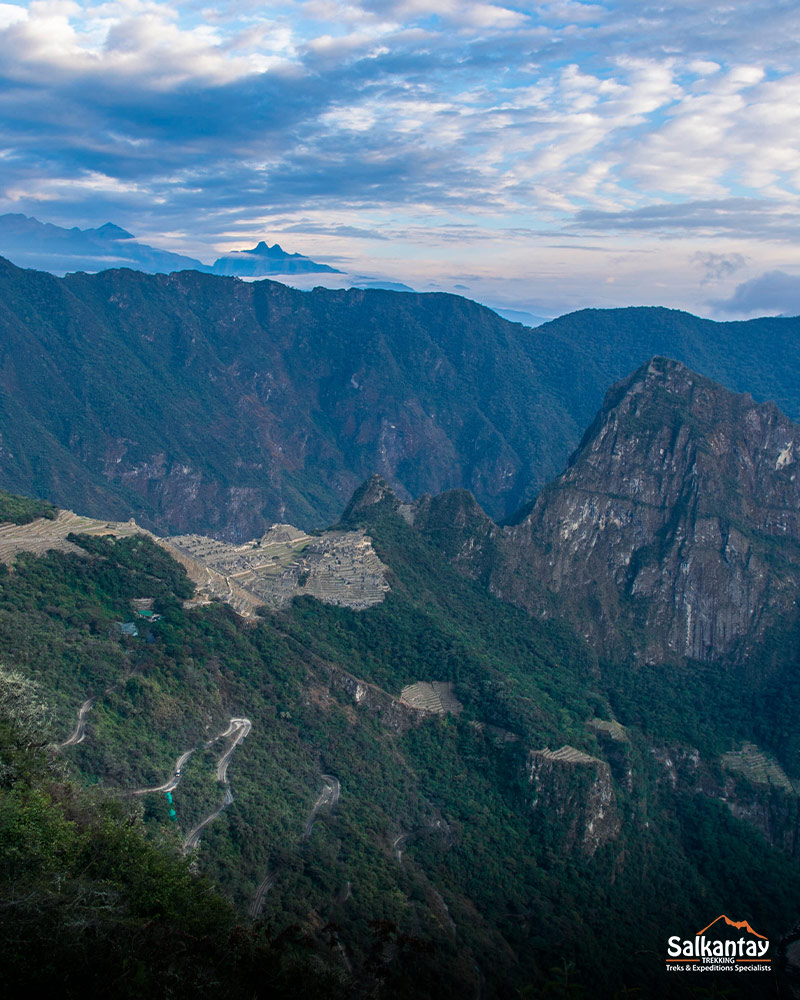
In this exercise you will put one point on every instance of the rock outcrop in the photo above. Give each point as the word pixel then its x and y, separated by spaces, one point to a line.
pixel 750 782
pixel 575 791
pixel 678 516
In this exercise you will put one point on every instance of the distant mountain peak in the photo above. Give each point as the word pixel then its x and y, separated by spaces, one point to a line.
pixel 276 251
pixel 263 260
pixel 111 232
pixel 31 243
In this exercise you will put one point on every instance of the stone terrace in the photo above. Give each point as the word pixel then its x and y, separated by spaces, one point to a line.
pixel 435 697
pixel 337 567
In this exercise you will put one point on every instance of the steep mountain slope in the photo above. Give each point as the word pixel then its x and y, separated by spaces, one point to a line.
pixel 743 356
pixel 409 852
pixel 204 403
pixel 678 517
pixel 200 403
pixel 445 793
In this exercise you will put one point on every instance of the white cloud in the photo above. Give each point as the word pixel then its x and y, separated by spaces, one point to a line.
pixel 453 110
pixel 703 67
pixel 353 119
pixel 11 14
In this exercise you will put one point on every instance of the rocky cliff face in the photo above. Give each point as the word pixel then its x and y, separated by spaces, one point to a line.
pixel 762 796
pixel 678 517
pixel 575 791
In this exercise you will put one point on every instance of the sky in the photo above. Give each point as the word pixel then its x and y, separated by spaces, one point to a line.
pixel 544 157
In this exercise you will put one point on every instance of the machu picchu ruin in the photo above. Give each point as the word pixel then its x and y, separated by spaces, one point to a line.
pixel 336 567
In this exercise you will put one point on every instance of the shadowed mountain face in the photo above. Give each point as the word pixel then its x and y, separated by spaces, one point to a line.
pixel 433 763
pixel 199 403
pixel 30 243
pixel 681 510
pixel 441 766
pixel 677 519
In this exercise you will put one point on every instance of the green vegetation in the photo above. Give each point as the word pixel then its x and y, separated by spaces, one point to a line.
pixel 22 510
pixel 431 873
pixel 92 908
pixel 198 378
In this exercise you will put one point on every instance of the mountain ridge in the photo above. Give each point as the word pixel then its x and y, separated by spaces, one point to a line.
pixel 53 248
pixel 350 806
pixel 58 250
pixel 673 531
pixel 644 781
pixel 433 391
pixel 263 260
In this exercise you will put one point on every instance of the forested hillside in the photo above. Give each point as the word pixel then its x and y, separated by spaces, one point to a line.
pixel 551 819
pixel 201 403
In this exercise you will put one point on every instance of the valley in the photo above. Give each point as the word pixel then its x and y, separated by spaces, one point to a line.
pixel 399 500
pixel 201 404
pixel 407 736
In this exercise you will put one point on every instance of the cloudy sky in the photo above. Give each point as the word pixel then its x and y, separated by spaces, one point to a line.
pixel 542 156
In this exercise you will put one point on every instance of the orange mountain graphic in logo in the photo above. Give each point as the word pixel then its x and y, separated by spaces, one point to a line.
pixel 739 925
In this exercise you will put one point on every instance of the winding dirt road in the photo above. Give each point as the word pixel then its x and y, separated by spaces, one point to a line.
pixel 329 796
pixel 239 729
pixel 172 782
pixel 193 836
pixel 261 892
pixel 79 732
pixel 398 846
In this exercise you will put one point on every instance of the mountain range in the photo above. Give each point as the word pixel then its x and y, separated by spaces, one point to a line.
pixel 203 403
pixel 47 247
pixel 375 788
pixel 527 708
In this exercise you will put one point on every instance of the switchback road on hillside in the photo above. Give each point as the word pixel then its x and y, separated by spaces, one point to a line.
pixel 398 846
pixel 261 892
pixel 239 729
pixel 193 836
pixel 79 732
pixel 329 796
pixel 172 782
